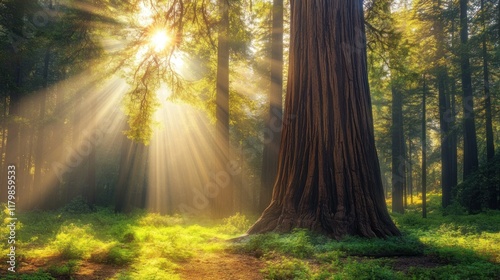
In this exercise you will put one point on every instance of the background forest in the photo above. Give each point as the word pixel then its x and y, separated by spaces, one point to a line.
pixel 176 107
pixel 73 72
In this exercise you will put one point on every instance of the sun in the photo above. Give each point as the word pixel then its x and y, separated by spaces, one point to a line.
pixel 159 40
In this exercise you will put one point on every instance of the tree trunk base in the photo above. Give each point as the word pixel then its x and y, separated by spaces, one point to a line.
pixel 335 225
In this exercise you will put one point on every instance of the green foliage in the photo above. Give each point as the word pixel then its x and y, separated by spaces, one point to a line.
pixel 475 189
pixel 304 244
pixel 152 245
pixel 367 270
pixel 235 224
pixel 475 270
pixel 121 255
pixel 285 268
pixel 75 242
pixel 455 209
pixel 67 270
pixel 296 244
pixel 39 275
pixel 157 220
pixel 77 205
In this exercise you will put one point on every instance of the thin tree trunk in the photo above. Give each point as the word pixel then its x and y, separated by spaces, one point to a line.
pixel 273 122
pixel 410 170
pixel 398 176
pixel 424 151
pixel 39 158
pixel 4 132
pixel 453 132
pixel 91 188
pixel 328 172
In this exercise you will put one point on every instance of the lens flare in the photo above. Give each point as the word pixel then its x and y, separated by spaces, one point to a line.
pixel 159 40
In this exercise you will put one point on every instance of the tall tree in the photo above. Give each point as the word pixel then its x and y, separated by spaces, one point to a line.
pixel 398 159
pixel 328 172
pixel 274 117
pixel 445 122
pixel 490 145
pixel 13 14
pixel 224 201
pixel 39 157
pixel 424 149
pixel 470 142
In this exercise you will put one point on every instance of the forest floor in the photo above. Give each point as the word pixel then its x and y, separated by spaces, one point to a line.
pixel 103 245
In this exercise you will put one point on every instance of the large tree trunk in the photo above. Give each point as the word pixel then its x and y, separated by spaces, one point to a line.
pixel 328 173
pixel 273 122
pixel 398 170
pixel 444 111
pixel 490 145
pixel 470 141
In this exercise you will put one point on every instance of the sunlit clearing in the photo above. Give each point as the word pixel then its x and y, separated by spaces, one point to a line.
pixel 159 40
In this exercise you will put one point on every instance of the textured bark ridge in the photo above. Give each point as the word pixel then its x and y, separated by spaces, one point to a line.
pixel 328 178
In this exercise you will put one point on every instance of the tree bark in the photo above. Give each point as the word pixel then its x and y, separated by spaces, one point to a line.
pixel 398 170
pixel 273 122
pixel 424 150
pixel 490 141
pixel 470 141
pixel 444 110
pixel 328 173
pixel 410 170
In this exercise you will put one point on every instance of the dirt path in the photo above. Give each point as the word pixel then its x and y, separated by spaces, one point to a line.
pixel 206 266
pixel 222 266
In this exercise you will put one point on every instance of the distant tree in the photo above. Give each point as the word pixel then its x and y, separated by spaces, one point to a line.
pixel 397 148
pixel 225 200
pixel 470 140
pixel 275 111
pixel 328 176
pixel 445 120
pixel 424 147
pixel 490 142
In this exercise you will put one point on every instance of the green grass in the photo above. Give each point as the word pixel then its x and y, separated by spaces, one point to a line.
pixel 459 246
pixel 144 245
pixel 152 246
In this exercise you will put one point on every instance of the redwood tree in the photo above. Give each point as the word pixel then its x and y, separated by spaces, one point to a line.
pixel 271 147
pixel 328 173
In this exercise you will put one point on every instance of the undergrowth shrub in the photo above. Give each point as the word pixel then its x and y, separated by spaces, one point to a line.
pixel 39 275
pixel 77 206
pixel 158 220
pixel 237 223
pixel 366 270
pixel 66 270
pixel 285 269
pixel 75 242
pixel 473 193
